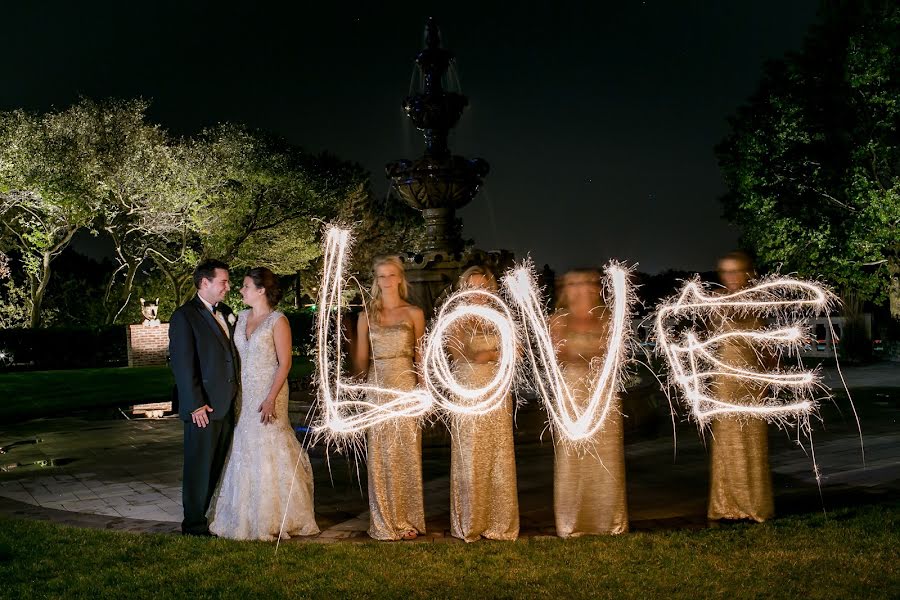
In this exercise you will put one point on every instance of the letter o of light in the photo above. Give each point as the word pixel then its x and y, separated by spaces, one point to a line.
pixel 437 369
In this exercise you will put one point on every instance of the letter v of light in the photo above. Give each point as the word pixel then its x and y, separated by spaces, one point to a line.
pixel 569 420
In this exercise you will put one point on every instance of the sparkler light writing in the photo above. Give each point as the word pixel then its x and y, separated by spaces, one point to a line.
pixel 694 361
pixel 347 411
pixel 569 420
pixel 348 407
pixel 468 305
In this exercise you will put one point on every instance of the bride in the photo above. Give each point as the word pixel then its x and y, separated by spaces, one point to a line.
pixel 267 487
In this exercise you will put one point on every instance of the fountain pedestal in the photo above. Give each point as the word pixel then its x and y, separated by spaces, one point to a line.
pixel 432 274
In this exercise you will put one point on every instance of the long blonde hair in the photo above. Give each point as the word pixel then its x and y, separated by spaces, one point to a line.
pixel 376 303
pixel 478 270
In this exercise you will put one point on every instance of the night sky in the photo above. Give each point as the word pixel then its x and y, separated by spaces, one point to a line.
pixel 598 120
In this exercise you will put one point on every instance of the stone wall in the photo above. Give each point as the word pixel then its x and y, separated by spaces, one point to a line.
pixel 147 346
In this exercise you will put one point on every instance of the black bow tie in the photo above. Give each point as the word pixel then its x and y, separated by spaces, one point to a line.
pixel 216 308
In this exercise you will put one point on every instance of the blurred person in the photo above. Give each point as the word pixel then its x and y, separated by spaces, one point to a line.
pixel 589 479
pixel 483 489
pixel 740 482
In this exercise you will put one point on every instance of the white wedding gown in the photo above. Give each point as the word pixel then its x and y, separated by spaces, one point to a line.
pixel 267 478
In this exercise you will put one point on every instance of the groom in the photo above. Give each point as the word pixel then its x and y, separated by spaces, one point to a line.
pixel 205 363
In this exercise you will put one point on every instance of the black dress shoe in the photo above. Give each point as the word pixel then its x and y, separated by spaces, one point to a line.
pixel 206 533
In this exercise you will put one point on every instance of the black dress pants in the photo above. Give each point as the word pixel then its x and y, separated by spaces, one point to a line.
pixel 205 450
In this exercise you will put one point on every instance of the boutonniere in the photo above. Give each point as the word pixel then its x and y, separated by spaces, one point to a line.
pixel 232 319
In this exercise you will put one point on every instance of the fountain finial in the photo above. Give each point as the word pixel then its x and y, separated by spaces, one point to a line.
pixel 432 34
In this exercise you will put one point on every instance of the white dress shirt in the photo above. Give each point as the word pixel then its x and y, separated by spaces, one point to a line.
pixel 217 314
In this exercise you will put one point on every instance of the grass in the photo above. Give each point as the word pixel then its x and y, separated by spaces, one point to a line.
pixel 32 394
pixel 848 554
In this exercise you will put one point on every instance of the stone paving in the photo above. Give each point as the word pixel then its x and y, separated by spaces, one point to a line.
pixel 93 470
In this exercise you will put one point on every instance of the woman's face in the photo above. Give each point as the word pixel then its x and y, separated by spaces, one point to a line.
pixel 583 292
pixel 734 274
pixel 250 293
pixel 477 281
pixel 388 277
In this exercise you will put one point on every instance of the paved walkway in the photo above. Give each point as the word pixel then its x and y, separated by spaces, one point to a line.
pixel 880 374
pixel 125 475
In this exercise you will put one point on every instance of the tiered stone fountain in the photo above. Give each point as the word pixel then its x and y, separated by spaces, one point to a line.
pixel 439 182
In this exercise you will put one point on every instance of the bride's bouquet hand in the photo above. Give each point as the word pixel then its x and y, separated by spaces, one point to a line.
pixel 267 409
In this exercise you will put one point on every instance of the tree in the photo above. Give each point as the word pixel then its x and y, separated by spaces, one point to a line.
pixel 246 197
pixel 259 201
pixel 812 162
pixel 44 193
pixel 266 202
pixel 134 181
pixel 106 169
pixel 12 297
pixel 380 226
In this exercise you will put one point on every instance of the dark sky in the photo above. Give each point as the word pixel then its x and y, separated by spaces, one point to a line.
pixel 598 119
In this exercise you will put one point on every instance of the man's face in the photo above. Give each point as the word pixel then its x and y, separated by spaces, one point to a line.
pixel 214 289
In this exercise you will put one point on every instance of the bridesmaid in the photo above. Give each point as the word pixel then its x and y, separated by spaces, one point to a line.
pixel 588 482
pixel 389 333
pixel 740 485
pixel 483 492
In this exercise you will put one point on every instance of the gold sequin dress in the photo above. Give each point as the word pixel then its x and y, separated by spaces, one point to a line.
pixel 484 499
pixel 589 482
pixel 394 448
pixel 740 482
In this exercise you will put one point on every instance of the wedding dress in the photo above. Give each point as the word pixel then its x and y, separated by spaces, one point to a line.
pixel 267 486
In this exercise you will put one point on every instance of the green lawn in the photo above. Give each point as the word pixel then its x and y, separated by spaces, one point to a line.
pixel 28 395
pixel 849 554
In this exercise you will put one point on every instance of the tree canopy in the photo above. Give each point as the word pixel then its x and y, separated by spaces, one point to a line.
pixel 812 162
pixel 44 193
pixel 240 195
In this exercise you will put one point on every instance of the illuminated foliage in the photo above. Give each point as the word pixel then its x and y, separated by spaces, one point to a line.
pixel 247 197
pixel 812 163
pixel 44 193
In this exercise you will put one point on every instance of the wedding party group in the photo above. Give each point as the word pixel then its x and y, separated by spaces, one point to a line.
pixel 247 477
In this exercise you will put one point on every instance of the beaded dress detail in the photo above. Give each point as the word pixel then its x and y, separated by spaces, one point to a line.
pixel 268 477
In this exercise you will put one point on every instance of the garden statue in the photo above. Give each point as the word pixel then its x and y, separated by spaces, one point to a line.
pixel 150 308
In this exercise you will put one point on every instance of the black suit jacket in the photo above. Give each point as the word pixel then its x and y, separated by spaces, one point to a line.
pixel 203 359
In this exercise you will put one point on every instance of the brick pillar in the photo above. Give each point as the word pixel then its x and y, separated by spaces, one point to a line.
pixel 147 346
